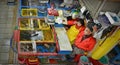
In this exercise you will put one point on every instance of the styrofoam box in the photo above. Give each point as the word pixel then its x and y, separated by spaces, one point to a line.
pixel 63 41
pixel 113 18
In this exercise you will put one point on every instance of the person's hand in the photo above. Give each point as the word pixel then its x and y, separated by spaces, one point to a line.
pixel 85 53
pixel 64 22
pixel 94 28
pixel 66 28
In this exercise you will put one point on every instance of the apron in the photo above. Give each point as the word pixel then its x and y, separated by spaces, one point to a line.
pixel 72 33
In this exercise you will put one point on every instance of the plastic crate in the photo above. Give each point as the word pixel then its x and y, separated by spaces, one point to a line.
pixel 29 12
pixel 24 24
pixel 32 61
pixel 46 47
pixel 31 35
pixel 48 35
pixel 27 46
pixel 36 35
pixel 41 7
pixel 33 2
pixel 43 25
pixel 33 24
pixel 25 54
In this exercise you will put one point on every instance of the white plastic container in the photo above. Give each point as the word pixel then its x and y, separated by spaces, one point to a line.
pixel 113 18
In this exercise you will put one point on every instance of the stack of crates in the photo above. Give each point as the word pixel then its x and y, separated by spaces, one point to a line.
pixel 34 36
pixel 33 8
pixel 38 41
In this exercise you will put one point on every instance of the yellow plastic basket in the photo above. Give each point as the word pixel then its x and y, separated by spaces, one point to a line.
pixel 35 24
pixel 29 12
pixel 48 36
pixel 37 35
pixel 29 24
pixel 43 25
pixel 24 24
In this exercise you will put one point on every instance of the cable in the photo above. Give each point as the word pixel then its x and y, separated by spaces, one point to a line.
pixel 11 42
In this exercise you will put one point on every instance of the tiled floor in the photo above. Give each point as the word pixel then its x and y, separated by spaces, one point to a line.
pixel 7 23
pixel 8 18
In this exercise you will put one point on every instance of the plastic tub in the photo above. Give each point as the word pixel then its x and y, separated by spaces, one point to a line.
pixel 84 61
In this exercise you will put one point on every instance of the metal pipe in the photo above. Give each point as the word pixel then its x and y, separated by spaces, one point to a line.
pixel 100 8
